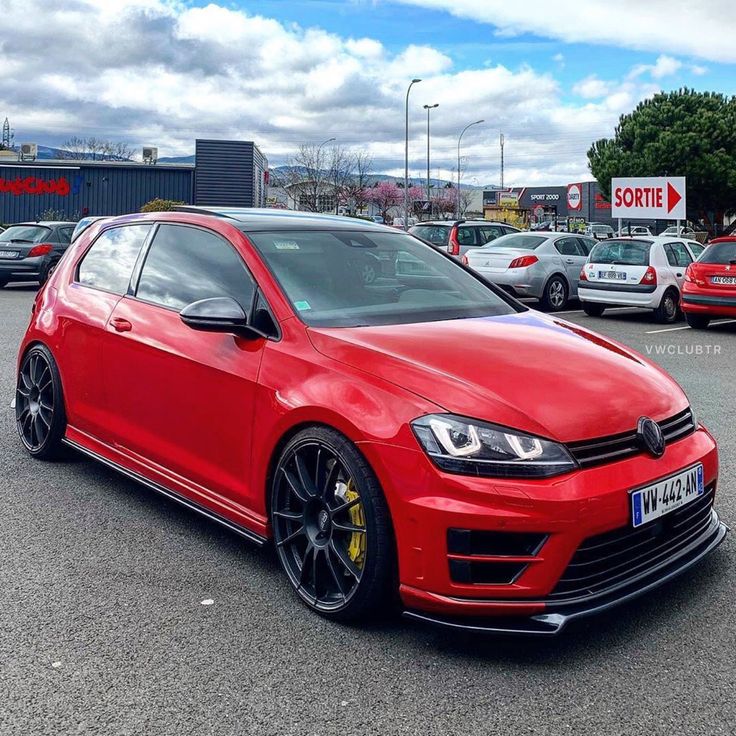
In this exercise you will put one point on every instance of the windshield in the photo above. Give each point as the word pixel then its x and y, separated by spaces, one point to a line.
pixel 719 253
pixel 517 240
pixel 601 228
pixel 435 234
pixel 623 252
pixel 29 233
pixel 349 279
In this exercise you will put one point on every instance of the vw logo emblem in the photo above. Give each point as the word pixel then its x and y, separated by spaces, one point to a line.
pixel 649 437
pixel 323 521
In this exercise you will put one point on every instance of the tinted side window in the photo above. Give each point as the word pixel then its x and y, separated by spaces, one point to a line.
pixel 568 247
pixel 490 232
pixel 185 264
pixel 683 257
pixel 466 235
pixel 64 235
pixel 587 245
pixel 109 263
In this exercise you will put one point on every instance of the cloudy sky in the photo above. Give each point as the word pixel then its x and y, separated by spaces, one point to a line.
pixel 554 76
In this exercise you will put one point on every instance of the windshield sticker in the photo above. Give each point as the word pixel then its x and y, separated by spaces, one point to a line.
pixel 302 306
pixel 286 245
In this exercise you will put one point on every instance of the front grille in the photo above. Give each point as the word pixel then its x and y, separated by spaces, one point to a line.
pixel 621 446
pixel 613 558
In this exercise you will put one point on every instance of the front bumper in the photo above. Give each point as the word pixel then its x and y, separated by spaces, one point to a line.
pixel 567 510
pixel 553 616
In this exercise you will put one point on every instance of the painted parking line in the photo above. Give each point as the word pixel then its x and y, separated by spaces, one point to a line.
pixel 687 327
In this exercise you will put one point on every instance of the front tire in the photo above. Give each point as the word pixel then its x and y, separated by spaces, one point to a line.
pixel 331 526
pixel 592 309
pixel 668 309
pixel 39 404
pixel 697 321
pixel 555 294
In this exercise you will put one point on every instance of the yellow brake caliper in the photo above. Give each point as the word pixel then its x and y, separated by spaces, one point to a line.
pixel 356 545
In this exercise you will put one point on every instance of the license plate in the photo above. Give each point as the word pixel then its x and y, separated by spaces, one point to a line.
pixel 612 275
pixel 669 494
pixel 8 253
pixel 723 280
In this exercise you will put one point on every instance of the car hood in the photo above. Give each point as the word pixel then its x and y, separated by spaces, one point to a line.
pixel 529 371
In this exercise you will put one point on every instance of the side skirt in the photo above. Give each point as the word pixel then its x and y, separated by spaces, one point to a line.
pixel 212 515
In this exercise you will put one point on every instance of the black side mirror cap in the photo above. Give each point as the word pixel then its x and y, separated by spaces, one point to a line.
pixel 218 314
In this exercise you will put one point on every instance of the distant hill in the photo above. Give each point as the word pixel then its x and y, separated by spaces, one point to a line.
pixel 279 174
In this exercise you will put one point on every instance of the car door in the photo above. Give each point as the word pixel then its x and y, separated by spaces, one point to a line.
pixel 573 258
pixel 183 399
pixel 678 259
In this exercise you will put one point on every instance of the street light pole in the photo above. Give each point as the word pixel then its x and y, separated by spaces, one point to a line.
pixel 406 156
pixel 317 164
pixel 428 108
pixel 457 196
pixel 501 141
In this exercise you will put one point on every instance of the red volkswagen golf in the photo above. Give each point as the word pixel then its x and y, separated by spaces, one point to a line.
pixel 388 419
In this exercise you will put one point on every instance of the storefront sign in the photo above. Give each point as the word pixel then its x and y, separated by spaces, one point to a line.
pixel 33 185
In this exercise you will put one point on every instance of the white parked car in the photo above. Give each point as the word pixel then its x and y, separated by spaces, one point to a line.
pixel 599 231
pixel 635 231
pixel 685 232
pixel 636 272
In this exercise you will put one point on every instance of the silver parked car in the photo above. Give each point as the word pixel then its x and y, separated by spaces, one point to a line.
pixel 545 266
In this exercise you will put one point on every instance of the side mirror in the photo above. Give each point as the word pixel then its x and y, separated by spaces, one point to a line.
pixel 219 314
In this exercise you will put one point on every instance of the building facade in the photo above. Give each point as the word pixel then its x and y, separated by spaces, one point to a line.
pixel 225 173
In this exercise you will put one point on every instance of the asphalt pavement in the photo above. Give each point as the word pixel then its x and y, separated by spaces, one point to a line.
pixel 122 613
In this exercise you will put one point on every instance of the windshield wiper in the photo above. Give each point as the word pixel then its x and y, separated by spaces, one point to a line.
pixel 18 240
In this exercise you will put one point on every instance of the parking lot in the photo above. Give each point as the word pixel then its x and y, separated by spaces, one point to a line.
pixel 123 613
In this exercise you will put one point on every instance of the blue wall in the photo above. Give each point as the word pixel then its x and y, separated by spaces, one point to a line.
pixel 27 190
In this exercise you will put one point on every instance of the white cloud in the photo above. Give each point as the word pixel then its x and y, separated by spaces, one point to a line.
pixel 702 29
pixel 664 66
pixel 164 73
pixel 592 87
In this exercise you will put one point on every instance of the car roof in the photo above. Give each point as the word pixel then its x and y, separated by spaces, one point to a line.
pixel 44 223
pixel 463 222
pixel 250 219
pixel 724 239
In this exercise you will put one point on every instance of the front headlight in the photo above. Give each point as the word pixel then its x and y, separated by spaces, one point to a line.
pixel 473 447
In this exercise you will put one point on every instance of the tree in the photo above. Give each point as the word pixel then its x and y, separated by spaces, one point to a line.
pixel 357 188
pixel 160 205
pixel 340 173
pixel 385 195
pixel 308 176
pixel 96 149
pixel 682 133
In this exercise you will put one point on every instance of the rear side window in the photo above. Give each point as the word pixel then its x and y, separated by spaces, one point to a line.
pixel 622 252
pixel 587 244
pixel 677 254
pixel 568 247
pixel 719 253
pixel 435 234
pixel 466 235
pixel 491 232
pixel 65 234
pixel 185 264
pixel 109 263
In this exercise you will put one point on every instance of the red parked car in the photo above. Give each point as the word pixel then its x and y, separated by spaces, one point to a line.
pixel 420 433
pixel 709 290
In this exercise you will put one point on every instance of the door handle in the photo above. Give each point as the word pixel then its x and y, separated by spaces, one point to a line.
pixel 121 325
pixel 569 260
pixel 679 275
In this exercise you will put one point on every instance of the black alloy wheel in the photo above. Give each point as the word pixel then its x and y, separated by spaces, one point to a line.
pixel 39 404
pixel 331 526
